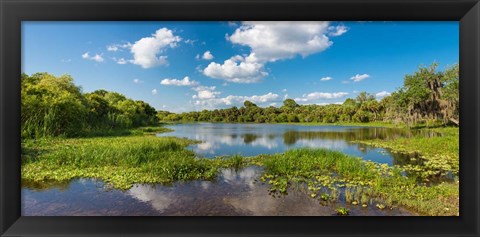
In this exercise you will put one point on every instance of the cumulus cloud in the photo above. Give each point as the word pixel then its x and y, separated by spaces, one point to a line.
pixel 326 78
pixel 382 94
pixel 146 50
pixel 275 40
pixel 175 82
pixel 205 92
pixel 320 95
pixel 359 77
pixel 154 91
pixel 96 57
pixel 269 42
pixel 337 30
pixel 137 81
pixel 207 55
pixel 237 69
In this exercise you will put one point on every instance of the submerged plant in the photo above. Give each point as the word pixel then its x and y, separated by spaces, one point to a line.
pixel 342 211
pixel 325 196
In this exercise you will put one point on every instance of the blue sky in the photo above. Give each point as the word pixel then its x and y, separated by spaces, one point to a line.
pixel 185 66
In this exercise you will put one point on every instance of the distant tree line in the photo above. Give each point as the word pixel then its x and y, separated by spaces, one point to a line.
pixel 53 106
pixel 426 97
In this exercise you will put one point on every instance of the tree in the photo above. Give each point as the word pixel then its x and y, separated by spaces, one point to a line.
pixel 249 104
pixel 290 103
pixel 51 106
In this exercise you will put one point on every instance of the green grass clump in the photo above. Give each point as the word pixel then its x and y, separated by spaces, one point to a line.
pixel 440 154
pixel 361 181
pixel 342 211
pixel 308 163
pixel 120 161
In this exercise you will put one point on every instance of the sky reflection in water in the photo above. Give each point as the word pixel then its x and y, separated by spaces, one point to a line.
pixel 254 139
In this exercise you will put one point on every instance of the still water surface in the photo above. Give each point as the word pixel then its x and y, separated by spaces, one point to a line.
pixel 234 192
pixel 220 139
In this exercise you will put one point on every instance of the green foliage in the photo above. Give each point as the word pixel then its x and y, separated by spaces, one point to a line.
pixel 427 95
pixel 51 106
pixel 55 106
pixel 342 211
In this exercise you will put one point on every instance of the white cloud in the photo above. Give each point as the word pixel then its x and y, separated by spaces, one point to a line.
pixel 205 92
pixel 207 55
pixel 337 30
pixel 120 60
pixel 66 60
pixel 320 95
pixel 117 47
pixel 236 100
pixel 237 69
pixel 382 94
pixel 269 42
pixel 154 91
pixel 190 41
pixel 112 48
pixel 330 103
pixel 232 23
pixel 359 77
pixel 284 90
pixel 275 40
pixel 137 81
pixel 175 82
pixel 326 78
pixel 96 57
pixel 146 50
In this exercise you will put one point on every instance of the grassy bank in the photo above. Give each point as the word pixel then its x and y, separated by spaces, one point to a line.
pixel 120 161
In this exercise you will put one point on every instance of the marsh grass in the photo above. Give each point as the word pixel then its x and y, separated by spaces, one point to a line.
pixel 119 161
pixel 439 154
pixel 357 181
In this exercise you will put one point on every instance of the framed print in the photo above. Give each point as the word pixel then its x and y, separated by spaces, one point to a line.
pixel 239 118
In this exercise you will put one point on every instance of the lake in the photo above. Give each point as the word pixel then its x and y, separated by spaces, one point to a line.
pixel 220 139
pixel 233 192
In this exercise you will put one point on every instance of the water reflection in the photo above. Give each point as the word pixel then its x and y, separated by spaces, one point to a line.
pixel 233 193
pixel 253 139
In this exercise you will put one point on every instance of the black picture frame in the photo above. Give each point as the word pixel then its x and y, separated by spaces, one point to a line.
pixel 13 12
